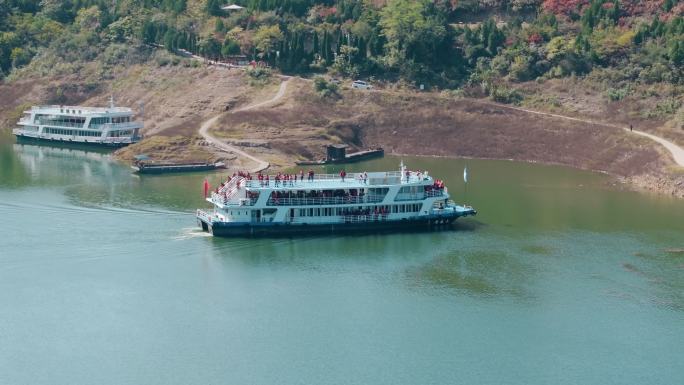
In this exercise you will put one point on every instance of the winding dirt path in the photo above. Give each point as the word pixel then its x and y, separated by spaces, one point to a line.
pixel 206 125
pixel 676 151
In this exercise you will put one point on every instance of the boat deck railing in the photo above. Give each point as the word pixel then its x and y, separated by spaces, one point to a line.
pixel 118 126
pixel 59 124
pixel 80 109
pixel 204 215
pixel 336 181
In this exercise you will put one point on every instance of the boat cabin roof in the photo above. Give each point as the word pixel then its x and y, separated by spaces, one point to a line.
pixel 80 111
pixel 334 181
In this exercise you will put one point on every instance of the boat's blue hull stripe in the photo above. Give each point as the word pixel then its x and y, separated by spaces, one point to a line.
pixel 233 228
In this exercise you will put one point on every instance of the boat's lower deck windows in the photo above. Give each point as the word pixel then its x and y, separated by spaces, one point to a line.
pixel 410 208
pixel 355 210
pixel 68 132
pixel 120 133
pixel 238 212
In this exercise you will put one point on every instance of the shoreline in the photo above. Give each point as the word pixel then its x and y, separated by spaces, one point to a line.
pixel 648 183
pixel 637 184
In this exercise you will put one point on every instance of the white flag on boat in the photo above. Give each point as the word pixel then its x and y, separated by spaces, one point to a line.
pixel 465 174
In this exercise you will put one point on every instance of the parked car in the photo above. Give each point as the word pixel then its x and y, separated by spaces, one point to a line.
pixel 334 80
pixel 360 84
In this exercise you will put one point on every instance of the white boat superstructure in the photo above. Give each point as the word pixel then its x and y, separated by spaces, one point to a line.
pixel 110 126
pixel 246 204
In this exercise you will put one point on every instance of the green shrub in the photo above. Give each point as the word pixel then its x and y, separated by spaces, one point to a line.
pixel 259 76
pixel 163 61
pixel 506 95
pixel 616 94
pixel 259 73
pixel 324 88
pixel 667 107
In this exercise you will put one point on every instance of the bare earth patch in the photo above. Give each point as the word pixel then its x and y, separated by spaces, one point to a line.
pixel 177 100
pixel 430 124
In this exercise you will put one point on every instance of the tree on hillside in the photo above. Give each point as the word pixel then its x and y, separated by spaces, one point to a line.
pixel 213 7
pixel 4 13
pixel 89 18
pixel 266 40
pixel 418 39
pixel 676 52
pixel 230 47
pixel 564 7
pixel 209 47
pixel 176 6
pixel 58 10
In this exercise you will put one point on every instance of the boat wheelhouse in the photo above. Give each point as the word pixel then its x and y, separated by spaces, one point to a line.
pixel 268 204
pixel 109 126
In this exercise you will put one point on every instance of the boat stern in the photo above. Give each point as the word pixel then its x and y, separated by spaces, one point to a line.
pixel 204 220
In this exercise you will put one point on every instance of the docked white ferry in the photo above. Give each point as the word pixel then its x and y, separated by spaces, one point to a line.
pixel 108 126
pixel 277 204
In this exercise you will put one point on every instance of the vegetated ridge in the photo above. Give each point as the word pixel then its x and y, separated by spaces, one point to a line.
pixel 613 61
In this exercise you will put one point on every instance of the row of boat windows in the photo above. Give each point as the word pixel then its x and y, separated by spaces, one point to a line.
pixel 61 119
pixel 61 131
pixel 337 211
pixel 73 120
pixel 411 189
pixel 117 134
pixel 123 119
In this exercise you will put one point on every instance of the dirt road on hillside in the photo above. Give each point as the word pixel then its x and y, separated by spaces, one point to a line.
pixel 204 130
pixel 676 151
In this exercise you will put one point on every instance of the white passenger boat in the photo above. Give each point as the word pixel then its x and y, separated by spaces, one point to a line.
pixel 278 204
pixel 111 126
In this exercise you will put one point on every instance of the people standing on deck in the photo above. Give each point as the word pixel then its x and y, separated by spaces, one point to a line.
pixel 311 175
pixel 301 175
pixel 267 180
pixel 365 177
pixel 343 174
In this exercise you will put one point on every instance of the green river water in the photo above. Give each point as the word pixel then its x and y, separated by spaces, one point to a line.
pixel 560 279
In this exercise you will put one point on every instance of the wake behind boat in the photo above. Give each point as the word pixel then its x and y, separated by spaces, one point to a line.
pixel 281 204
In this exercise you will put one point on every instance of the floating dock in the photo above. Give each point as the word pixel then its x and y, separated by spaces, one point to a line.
pixel 142 168
pixel 337 153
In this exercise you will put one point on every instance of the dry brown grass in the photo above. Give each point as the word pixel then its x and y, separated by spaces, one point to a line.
pixel 431 124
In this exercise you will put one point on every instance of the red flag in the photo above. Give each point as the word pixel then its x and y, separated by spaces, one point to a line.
pixel 206 188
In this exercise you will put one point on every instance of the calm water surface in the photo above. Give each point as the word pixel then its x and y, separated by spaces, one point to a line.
pixel 560 279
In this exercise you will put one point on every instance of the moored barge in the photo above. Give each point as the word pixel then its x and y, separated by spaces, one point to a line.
pixel 165 168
